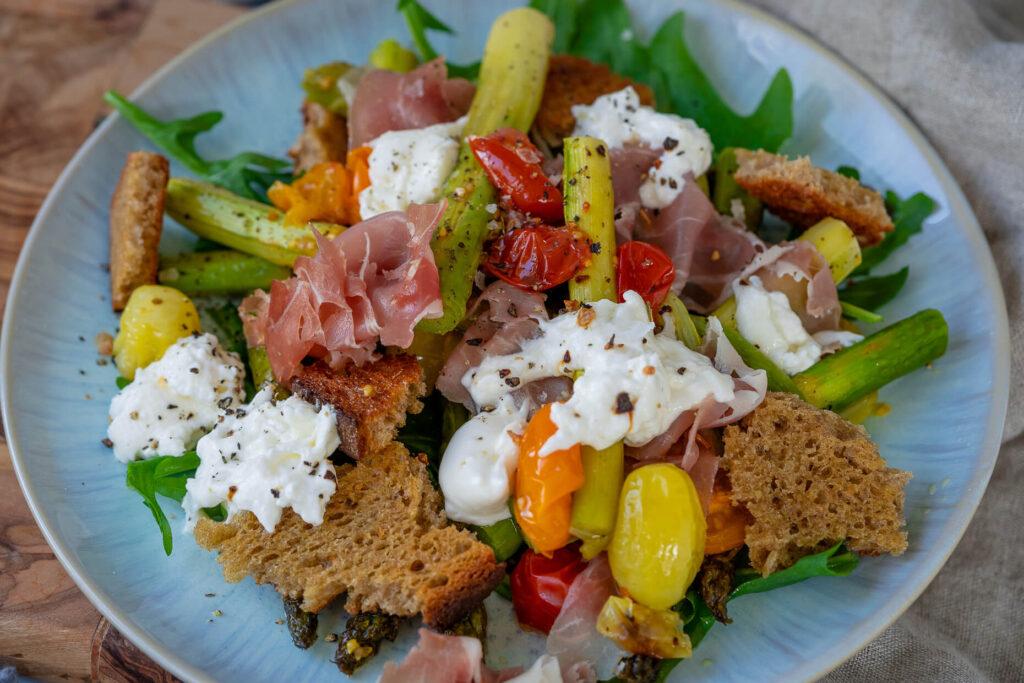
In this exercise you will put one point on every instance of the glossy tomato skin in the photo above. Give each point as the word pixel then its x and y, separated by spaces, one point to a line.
pixel 537 257
pixel 645 269
pixel 540 584
pixel 513 165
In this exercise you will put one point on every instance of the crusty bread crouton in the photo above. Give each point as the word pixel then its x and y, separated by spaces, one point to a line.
pixel 811 479
pixel 371 401
pixel 324 137
pixel 572 81
pixel 384 541
pixel 802 194
pixel 136 221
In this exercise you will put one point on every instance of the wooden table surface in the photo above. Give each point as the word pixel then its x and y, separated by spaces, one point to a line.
pixel 58 57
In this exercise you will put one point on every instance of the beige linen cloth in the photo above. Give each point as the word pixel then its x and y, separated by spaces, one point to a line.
pixel 957 68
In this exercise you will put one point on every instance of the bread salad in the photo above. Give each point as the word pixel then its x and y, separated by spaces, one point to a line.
pixel 559 326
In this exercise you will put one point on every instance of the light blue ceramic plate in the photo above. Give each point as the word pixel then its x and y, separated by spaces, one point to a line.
pixel 945 423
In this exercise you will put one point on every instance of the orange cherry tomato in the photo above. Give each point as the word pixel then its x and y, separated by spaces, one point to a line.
pixel 544 486
pixel 358 164
pixel 324 193
pixel 726 522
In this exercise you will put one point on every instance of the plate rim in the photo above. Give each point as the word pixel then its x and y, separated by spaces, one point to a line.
pixel 810 669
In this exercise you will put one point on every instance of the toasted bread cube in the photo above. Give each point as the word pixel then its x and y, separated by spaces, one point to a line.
pixel 136 221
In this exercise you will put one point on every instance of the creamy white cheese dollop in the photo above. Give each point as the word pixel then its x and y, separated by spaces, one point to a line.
pixel 265 457
pixel 175 400
pixel 478 464
pixel 767 321
pixel 410 166
pixel 544 670
pixel 619 119
pixel 631 385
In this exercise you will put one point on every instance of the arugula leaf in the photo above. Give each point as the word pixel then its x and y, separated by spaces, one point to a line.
pixel 165 475
pixel 248 174
pixel 836 561
pixel 857 313
pixel 696 615
pixel 122 382
pixel 229 330
pixel 419 21
pixel 873 292
pixel 693 96
pixel 564 15
pixel 849 172
pixel 908 216
pixel 602 31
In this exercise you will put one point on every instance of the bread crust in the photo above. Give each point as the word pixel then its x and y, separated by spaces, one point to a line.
pixel 577 80
pixel 811 479
pixel 324 137
pixel 803 194
pixel 136 222
pixel 385 541
pixel 370 401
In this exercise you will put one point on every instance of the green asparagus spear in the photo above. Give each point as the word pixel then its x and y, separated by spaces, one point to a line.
pixel 752 356
pixel 590 203
pixel 389 54
pixel 321 86
pixel 686 330
pixel 259 366
pixel 504 537
pixel 838 380
pixel 242 224
pixel 512 75
pixel 219 272
pixel 727 190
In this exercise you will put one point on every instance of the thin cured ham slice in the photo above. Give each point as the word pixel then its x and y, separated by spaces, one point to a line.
pixel 581 651
pixel 385 100
pixel 506 316
pixel 798 270
pixel 438 658
pixel 372 283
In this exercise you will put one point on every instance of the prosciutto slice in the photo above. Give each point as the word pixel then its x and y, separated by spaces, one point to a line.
pixel 506 316
pixel 385 100
pixel 574 639
pixel 372 283
pixel 798 270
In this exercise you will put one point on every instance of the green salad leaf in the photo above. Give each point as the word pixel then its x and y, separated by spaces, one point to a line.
pixel 122 382
pixel 908 216
pixel 227 327
pixel 849 172
pixel 248 174
pixel 836 561
pixel 873 292
pixel 603 31
pixel 857 313
pixel 166 475
pixel 419 21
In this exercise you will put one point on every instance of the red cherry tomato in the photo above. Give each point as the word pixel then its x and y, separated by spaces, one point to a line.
pixel 539 585
pixel 513 165
pixel 645 269
pixel 538 257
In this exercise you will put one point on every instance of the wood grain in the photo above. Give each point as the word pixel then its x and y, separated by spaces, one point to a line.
pixel 58 57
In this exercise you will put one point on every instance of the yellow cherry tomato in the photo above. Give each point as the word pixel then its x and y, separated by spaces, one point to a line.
pixel 154 318
pixel 658 543
pixel 544 486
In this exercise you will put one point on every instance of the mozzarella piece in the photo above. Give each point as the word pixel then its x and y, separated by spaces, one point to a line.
pixel 767 321
pixel 410 167
pixel 545 670
pixel 175 400
pixel 619 119
pixel 265 457
pixel 478 464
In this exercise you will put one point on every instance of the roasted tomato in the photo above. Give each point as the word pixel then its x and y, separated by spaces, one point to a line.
pixel 513 165
pixel 645 269
pixel 540 584
pixel 538 257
